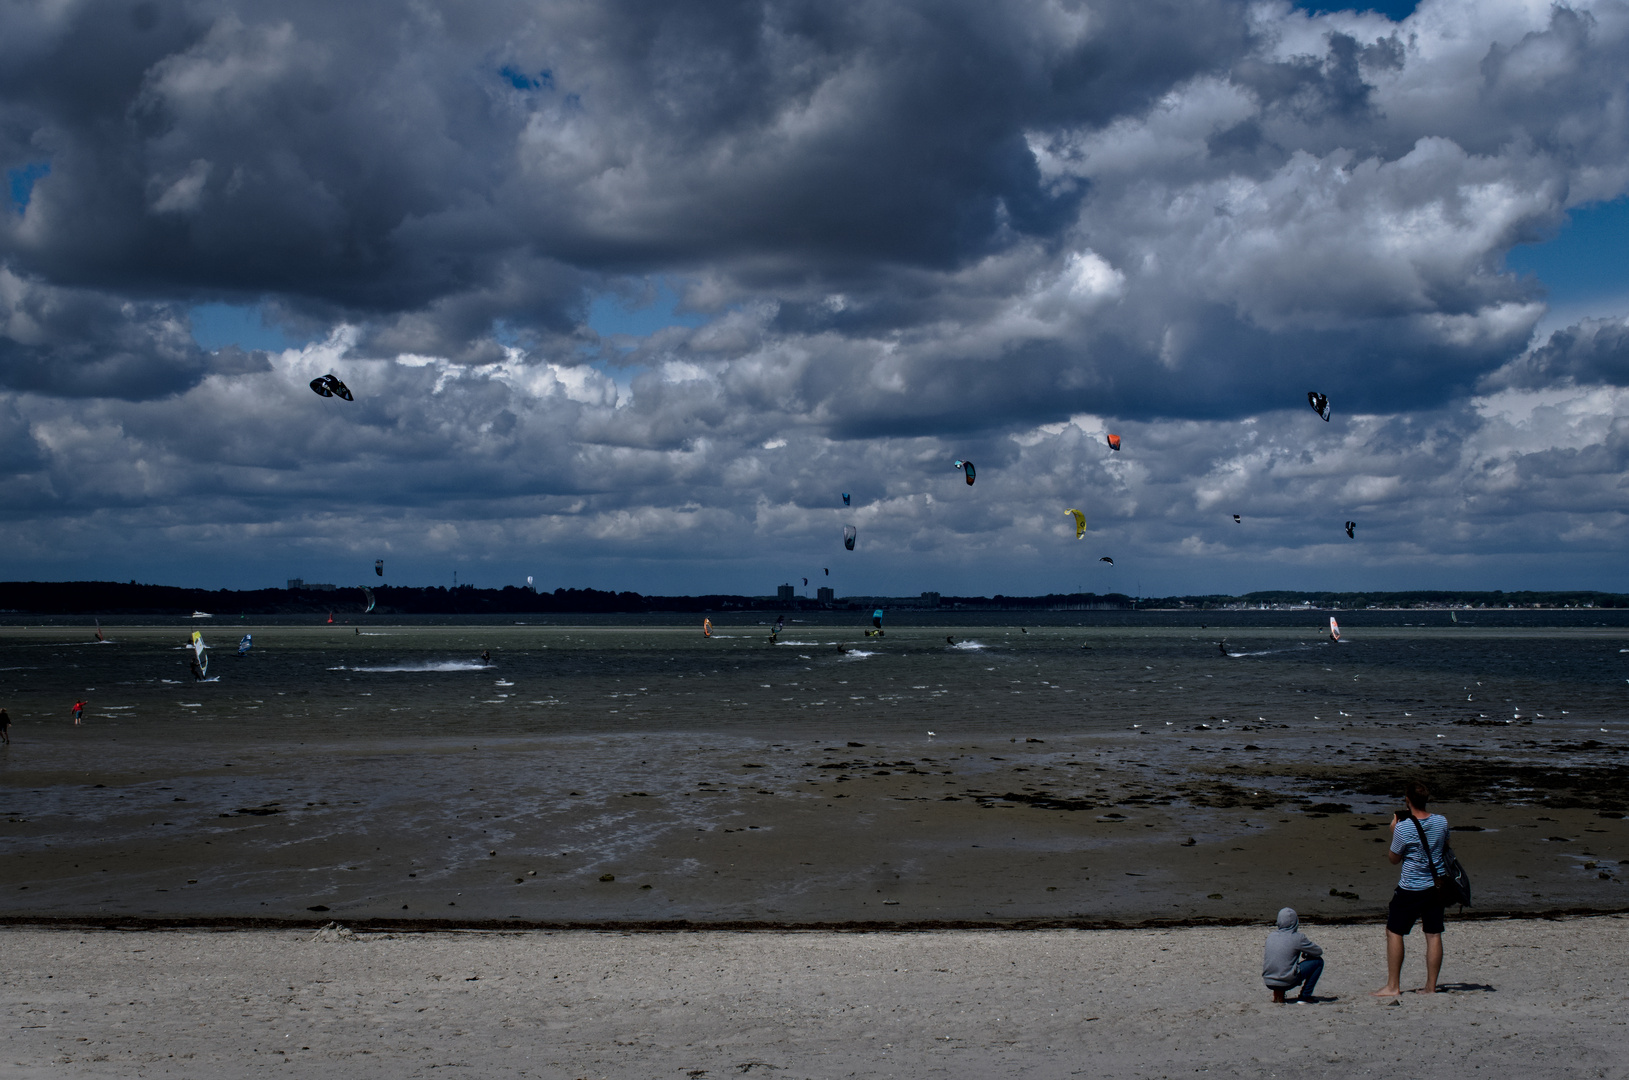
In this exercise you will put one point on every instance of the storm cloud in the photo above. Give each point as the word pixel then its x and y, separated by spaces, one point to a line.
pixel 898 233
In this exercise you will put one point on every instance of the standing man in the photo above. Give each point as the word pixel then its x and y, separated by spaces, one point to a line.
pixel 5 728
pixel 1417 897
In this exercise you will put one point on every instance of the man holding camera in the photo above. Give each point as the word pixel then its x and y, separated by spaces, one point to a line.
pixel 1417 897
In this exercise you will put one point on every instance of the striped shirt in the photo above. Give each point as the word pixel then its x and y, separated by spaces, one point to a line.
pixel 1405 841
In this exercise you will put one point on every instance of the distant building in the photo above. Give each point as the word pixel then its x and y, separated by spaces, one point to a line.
pixel 824 594
pixel 930 599
pixel 310 586
pixel 295 583
pixel 784 594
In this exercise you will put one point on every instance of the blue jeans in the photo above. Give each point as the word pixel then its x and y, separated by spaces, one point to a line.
pixel 1306 975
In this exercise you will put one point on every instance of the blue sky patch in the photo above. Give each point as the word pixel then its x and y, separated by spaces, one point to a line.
pixel 543 80
pixel 215 326
pixel 1585 259
pixel 608 315
pixel 1395 10
pixel 22 179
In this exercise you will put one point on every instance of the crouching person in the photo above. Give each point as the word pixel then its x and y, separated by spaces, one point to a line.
pixel 1291 959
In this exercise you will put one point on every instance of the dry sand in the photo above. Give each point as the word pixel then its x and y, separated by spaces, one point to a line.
pixel 1528 998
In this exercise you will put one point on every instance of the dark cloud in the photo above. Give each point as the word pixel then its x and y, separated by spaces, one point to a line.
pixel 911 232
pixel 1594 352
pixel 83 343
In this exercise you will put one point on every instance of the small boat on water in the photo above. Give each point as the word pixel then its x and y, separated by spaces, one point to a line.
pixel 202 615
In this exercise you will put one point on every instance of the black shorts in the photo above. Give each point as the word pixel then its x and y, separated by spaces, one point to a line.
pixel 1407 905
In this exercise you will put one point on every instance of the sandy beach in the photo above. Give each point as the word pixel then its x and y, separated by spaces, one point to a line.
pixel 1533 998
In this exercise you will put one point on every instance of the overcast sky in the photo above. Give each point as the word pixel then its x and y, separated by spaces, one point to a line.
pixel 629 292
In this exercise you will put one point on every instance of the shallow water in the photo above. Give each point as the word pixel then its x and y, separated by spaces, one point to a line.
pixel 331 763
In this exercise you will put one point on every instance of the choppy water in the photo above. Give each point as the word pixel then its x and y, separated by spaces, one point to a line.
pixel 1104 671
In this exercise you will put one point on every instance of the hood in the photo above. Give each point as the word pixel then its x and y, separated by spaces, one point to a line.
pixel 1288 919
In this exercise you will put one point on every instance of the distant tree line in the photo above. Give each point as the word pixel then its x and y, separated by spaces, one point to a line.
pixel 1413 598
pixel 121 598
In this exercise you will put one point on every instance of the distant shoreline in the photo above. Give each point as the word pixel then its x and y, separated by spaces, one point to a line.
pixel 96 599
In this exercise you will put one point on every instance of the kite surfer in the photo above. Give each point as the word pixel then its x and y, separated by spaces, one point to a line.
pixel 486 656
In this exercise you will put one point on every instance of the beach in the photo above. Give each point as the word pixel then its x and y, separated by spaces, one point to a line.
pixel 1531 998
pixel 626 850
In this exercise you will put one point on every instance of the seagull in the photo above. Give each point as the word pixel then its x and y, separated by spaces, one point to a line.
pixel 931 734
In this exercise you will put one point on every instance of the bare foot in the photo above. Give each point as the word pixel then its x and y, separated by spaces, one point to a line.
pixel 1387 991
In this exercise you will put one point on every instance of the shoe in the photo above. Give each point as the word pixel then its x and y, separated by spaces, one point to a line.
pixel 1305 1000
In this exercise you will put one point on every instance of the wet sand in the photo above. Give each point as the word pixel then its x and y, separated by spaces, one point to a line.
pixel 1079 830
pixel 1537 999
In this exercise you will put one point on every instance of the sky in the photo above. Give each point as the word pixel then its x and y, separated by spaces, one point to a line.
pixel 629 293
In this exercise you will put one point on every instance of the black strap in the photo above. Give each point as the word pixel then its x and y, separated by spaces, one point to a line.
pixel 1430 859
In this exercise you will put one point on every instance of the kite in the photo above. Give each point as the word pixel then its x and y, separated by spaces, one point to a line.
pixel 1114 442
pixel 1080 522
pixel 849 535
pixel 1235 519
pixel 827 569
pixel 967 468
pixel 1107 560
pixel 876 618
pixel 330 386
pixel 845 498
pixel 805 583
pixel 1350 526
pixel 379 567
pixel 1319 403
pixel 529 582
pixel 367 592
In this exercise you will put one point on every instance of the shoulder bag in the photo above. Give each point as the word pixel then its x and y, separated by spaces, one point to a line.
pixel 1453 883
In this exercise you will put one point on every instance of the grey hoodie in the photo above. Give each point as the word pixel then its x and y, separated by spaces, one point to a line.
pixel 1285 948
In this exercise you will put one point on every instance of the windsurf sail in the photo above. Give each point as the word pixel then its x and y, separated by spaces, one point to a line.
pixel 99 636
pixel 246 644
pixel 1334 628
pixel 706 628
pixel 200 652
